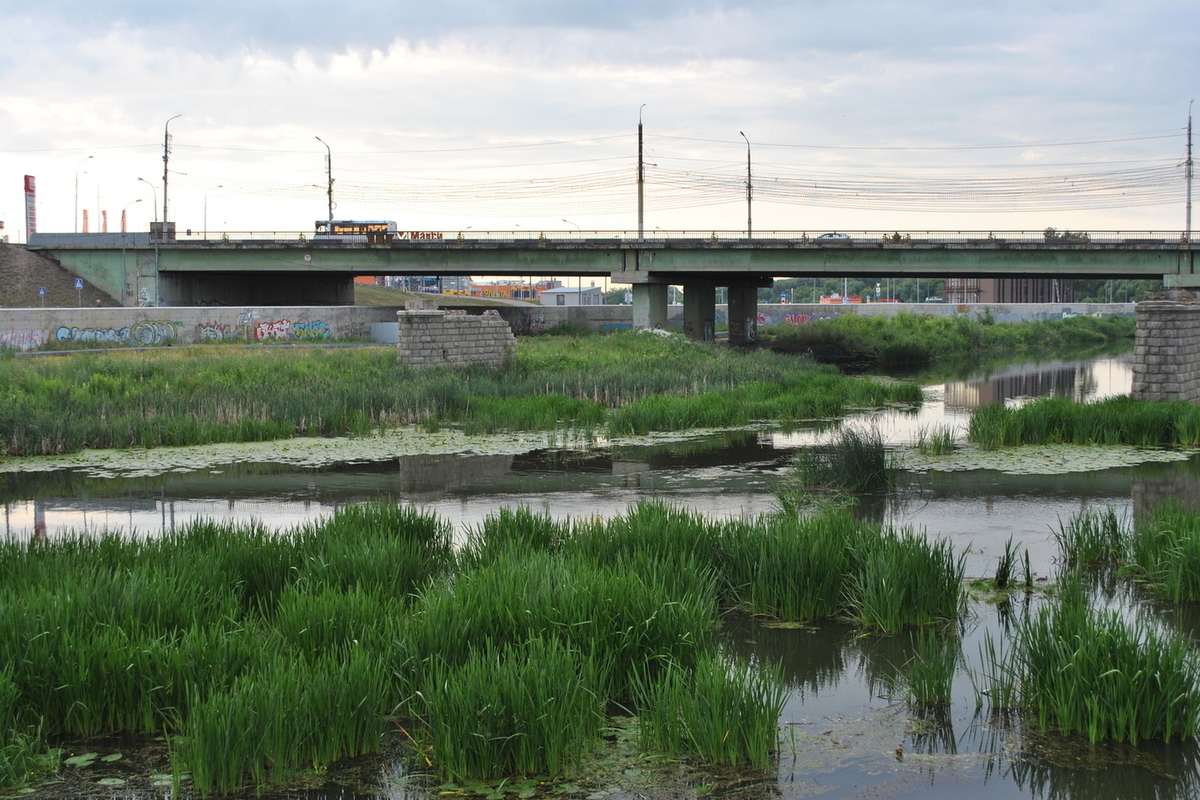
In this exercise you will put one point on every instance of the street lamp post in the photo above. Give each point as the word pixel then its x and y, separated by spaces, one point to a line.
pixel 166 158
pixel 213 189
pixel 749 190
pixel 126 208
pixel 577 228
pixel 77 166
pixel 154 193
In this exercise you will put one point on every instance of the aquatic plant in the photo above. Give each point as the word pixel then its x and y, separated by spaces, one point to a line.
pixel 903 578
pixel 1164 551
pixel 533 707
pixel 854 461
pixel 1074 668
pixel 937 441
pixel 721 711
pixel 795 569
pixel 927 676
pixel 1091 538
pixel 1115 420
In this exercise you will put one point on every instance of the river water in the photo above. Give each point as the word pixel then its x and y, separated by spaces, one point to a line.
pixel 844 737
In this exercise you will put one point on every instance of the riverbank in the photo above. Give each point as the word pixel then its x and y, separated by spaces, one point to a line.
pixel 624 383
pixel 908 340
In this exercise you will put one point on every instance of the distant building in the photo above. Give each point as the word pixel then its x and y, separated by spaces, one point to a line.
pixel 573 296
pixel 1010 290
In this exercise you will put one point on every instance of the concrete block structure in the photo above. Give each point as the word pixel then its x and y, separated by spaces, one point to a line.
pixel 428 337
pixel 1166 356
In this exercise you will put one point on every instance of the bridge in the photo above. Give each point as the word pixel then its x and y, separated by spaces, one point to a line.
pixel 289 268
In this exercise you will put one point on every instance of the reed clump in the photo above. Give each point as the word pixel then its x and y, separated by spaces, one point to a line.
pixel 627 382
pixel 1116 420
pixel 855 460
pixel 1078 669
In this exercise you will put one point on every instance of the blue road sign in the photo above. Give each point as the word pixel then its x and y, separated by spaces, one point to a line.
pixel 41 291
pixel 79 284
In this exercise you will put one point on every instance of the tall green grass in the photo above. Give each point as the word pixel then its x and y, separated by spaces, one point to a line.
pixel 629 382
pixel 533 707
pixel 904 579
pixel 1164 552
pixel 1116 420
pixel 854 461
pixel 1074 668
pixel 917 340
pixel 722 713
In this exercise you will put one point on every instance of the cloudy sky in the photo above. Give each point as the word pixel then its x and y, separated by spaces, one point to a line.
pixel 522 114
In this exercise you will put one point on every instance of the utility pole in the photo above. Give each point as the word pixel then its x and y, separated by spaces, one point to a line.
pixel 1187 174
pixel 166 158
pixel 749 190
pixel 329 174
pixel 641 180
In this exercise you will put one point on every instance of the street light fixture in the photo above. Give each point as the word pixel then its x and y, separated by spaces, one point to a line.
pixel 577 228
pixel 213 189
pixel 749 189
pixel 77 166
pixel 154 193
pixel 126 208
pixel 166 158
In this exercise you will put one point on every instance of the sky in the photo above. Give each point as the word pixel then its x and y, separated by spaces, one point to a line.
pixel 522 115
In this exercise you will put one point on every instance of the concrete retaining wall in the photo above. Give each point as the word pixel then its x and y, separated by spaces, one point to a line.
pixel 428 338
pixel 26 328
pixel 1166 355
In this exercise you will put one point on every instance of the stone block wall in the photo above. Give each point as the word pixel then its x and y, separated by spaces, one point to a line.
pixel 452 337
pixel 1166 356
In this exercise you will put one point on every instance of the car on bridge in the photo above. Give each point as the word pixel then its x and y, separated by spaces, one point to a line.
pixel 826 238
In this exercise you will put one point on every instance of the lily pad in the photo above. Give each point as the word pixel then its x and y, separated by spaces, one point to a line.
pixel 111 781
pixel 111 757
pixel 81 760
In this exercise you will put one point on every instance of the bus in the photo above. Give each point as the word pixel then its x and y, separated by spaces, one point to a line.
pixel 350 230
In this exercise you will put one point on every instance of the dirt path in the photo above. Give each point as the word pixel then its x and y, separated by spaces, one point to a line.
pixel 22 272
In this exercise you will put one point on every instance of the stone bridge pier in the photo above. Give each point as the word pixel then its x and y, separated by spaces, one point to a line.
pixel 1166 356
pixel 700 305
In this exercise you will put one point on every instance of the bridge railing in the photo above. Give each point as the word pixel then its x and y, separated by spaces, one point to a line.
pixel 817 237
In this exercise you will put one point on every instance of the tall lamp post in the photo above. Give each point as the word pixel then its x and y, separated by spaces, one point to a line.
pixel 213 189
pixel 166 158
pixel 328 173
pixel 749 190
pixel 77 166
pixel 154 193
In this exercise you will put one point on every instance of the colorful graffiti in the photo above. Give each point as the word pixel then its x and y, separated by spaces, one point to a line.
pixel 316 329
pixel 24 338
pixel 285 329
pixel 148 333
pixel 279 329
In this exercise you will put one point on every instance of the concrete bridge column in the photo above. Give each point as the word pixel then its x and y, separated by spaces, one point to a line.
pixel 1166 355
pixel 699 311
pixel 649 305
pixel 743 314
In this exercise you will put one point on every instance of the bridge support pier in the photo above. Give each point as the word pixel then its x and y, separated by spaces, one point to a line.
pixel 743 314
pixel 699 310
pixel 649 306
pixel 1166 355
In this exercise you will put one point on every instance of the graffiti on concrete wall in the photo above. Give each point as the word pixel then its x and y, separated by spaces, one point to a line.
pixel 24 338
pixel 285 329
pixel 150 332
pixel 213 332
